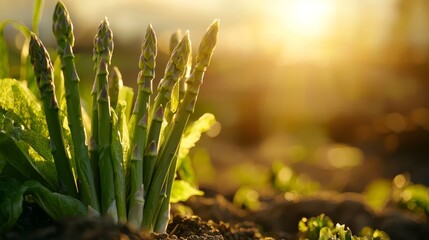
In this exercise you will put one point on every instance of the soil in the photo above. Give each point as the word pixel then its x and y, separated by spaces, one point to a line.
pixel 217 218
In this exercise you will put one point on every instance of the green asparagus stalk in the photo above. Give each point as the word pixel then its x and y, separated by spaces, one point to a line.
pixel 93 138
pixel 118 164
pixel 44 76
pixel 135 214
pixel 136 211
pixel 176 68
pixel 144 80
pixel 114 86
pixel 104 48
pixel 108 202
pixel 164 211
pixel 152 144
pixel 136 166
pixel 63 31
pixel 186 107
pixel 177 92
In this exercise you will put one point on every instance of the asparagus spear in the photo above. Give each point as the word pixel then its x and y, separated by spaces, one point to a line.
pixel 117 163
pixel 63 31
pixel 93 138
pixel 152 148
pixel 44 76
pixel 176 68
pixel 187 106
pixel 104 48
pixel 164 211
pixel 145 77
pixel 178 90
pixel 135 214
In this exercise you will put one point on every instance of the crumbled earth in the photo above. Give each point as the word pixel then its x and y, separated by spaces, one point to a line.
pixel 180 227
pixel 279 217
pixel 219 219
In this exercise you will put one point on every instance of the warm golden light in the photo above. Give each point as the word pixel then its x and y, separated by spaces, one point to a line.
pixel 305 17
pixel 309 17
pixel 303 29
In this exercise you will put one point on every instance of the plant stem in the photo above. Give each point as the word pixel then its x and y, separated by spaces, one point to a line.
pixel 44 76
pixel 152 144
pixel 117 164
pixel 181 118
pixel 176 68
pixel 104 48
pixel 138 138
pixel 164 211
pixel 93 138
pixel 63 31
pixel 149 164
pixel 108 204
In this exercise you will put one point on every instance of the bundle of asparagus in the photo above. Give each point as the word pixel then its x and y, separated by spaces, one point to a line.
pixel 125 172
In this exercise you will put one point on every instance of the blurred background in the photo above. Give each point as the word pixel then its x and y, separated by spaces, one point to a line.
pixel 335 92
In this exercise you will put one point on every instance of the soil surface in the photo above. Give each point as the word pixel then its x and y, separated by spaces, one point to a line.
pixel 217 218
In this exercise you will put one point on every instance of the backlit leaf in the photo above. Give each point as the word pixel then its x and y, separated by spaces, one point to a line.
pixel 182 190
pixel 193 133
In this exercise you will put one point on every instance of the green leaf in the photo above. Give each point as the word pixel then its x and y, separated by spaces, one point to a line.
pixel 325 234
pixel 59 83
pixel 126 94
pixel 56 205
pixel 121 108
pixel 37 11
pixel 343 233
pixel 22 106
pixel 4 55
pixel 26 69
pixel 12 196
pixel 187 172
pixel 182 190
pixel 175 97
pixel 24 30
pixel 247 197
pixel 4 51
pixel 29 154
pixel 193 133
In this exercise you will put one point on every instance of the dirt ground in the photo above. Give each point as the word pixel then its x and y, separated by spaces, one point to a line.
pixel 217 218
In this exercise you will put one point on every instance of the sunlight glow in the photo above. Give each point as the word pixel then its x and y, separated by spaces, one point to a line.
pixel 305 17
pixel 309 16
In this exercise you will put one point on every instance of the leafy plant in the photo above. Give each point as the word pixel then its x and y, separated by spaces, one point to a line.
pixel 322 228
pixel 128 170
pixel 399 192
